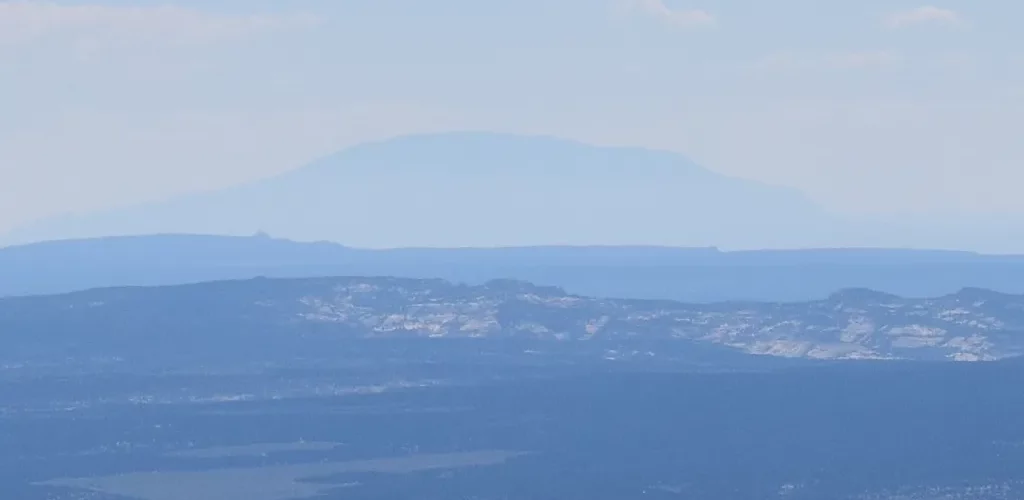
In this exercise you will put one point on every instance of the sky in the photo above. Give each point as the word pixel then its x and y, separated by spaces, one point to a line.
pixel 870 107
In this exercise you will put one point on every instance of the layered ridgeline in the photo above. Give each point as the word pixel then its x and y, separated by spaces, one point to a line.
pixel 234 316
pixel 683 274
pixel 480 189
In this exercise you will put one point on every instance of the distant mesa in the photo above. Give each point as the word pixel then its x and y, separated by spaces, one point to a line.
pixel 480 189
pixel 652 272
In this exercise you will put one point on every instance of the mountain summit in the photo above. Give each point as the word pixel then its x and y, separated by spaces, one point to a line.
pixel 479 189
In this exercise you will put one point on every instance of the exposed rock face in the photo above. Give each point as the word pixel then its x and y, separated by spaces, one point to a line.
pixel 972 325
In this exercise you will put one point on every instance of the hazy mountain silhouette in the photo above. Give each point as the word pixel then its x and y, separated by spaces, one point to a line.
pixel 481 189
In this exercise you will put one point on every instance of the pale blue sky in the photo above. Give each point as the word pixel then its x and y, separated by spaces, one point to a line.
pixel 869 107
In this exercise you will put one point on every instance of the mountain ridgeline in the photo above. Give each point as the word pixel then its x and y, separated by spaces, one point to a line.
pixel 636 272
pixel 233 316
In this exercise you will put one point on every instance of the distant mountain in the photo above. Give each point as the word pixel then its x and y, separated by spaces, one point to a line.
pixel 685 274
pixel 236 316
pixel 481 189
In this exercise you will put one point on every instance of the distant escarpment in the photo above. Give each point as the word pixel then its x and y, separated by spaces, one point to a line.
pixel 853 324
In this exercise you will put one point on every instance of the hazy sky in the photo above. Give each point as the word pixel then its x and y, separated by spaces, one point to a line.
pixel 867 106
